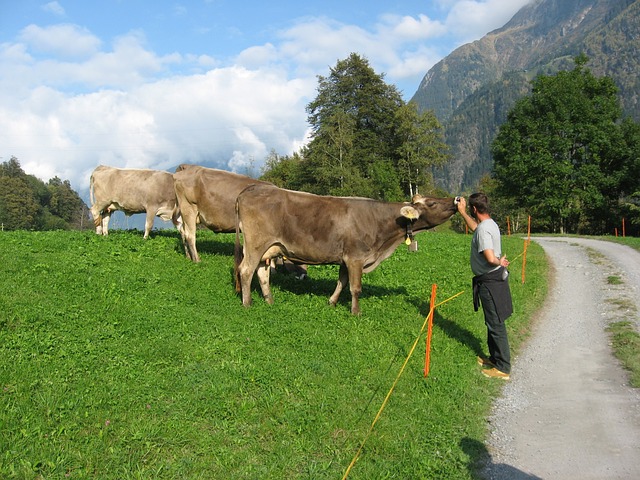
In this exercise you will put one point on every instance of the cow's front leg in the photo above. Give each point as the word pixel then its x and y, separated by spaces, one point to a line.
pixel 148 224
pixel 343 278
pixel 264 272
pixel 355 283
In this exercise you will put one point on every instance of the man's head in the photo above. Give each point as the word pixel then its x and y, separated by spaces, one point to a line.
pixel 478 204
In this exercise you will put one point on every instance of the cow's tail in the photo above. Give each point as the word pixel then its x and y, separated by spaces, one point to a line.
pixel 97 217
pixel 238 252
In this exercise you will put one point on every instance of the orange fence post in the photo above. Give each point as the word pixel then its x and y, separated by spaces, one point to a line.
pixel 524 259
pixel 427 355
pixel 508 226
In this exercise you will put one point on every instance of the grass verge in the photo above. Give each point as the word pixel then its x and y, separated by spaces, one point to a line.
pixel 626 347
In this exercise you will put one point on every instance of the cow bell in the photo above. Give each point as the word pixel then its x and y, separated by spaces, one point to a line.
pixel 413 245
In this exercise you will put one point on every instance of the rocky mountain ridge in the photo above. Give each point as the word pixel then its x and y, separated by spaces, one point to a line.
pixel 472 89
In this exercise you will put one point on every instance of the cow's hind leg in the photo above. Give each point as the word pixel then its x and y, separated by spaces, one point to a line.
pixel 343 278
pixel 96 213
pixel 106 216
pixel 245 270
pixel 188 231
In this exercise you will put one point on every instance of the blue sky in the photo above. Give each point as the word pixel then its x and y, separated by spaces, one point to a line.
pixel 152 84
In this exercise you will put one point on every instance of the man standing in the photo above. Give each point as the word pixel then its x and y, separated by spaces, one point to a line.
pixel 490 283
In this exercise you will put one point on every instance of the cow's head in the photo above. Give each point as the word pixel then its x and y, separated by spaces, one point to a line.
pixel 428 212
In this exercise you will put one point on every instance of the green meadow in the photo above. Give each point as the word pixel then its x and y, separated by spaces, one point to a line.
pixel 120 359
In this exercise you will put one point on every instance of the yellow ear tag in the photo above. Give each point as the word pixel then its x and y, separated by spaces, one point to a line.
pixel 408 241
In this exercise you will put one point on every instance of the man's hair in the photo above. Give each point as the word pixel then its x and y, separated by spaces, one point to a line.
pixel 480 201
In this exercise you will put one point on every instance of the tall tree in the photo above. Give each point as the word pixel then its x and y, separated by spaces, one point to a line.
pixel 630 173
pixel 19 208
pixel 66 203
pixel 282 170
pixel 558 153
pixel 421 145
pixel 353 126
pixel 365 140
pixel 11 168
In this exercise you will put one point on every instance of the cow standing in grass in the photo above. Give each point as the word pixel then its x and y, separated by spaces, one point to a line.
pixel 355 233
pixel 132 191
pixel 207 196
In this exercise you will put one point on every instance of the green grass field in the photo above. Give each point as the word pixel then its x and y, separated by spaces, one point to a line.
pixel 120 359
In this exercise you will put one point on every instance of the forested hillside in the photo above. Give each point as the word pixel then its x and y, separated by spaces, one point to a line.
pixel 27 203
pixel 472 90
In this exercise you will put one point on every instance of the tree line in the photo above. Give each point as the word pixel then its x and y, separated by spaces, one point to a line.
pixel 27 203
pixel 365 140
pixel 564 156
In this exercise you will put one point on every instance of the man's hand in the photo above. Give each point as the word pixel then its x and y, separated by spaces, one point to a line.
pixel 462 205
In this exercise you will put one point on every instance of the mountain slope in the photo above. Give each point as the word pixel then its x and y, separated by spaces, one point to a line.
pixel 472 89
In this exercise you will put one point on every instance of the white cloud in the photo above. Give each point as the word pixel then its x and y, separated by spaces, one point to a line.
pixel 63 40
pixel 72 103
pixel 408 28
pixel 395 47
pixel 471 19
pixel 55 8
pixel 229 118
pixel 257 56
pixel 316 44
pixel 70 57
pixel 414 64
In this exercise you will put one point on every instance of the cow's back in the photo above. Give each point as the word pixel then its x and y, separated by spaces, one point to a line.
pixel 133 190
pixel 212 192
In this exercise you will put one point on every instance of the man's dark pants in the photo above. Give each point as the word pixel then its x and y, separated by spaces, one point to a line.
pixel 497 339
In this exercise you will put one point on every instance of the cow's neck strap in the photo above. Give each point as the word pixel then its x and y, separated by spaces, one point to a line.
pixel 409 228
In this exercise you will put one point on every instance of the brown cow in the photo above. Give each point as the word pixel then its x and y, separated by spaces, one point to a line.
pixel 132 191
pixel 207 196
pixel 355 233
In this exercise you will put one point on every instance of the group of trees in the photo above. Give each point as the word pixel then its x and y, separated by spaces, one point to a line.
pixel 564 156
pixel 365 141
pixel 27 203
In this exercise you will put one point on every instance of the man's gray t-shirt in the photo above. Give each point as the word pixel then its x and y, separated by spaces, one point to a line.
pixel 486 236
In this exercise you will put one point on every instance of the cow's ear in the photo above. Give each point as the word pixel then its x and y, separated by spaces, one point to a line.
pixel 417 198
pixel 409 212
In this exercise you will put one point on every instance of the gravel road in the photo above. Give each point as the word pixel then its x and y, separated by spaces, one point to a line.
pixel 568 411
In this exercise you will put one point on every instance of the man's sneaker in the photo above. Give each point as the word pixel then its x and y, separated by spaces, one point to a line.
pixel 495 373
pixel 485 362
